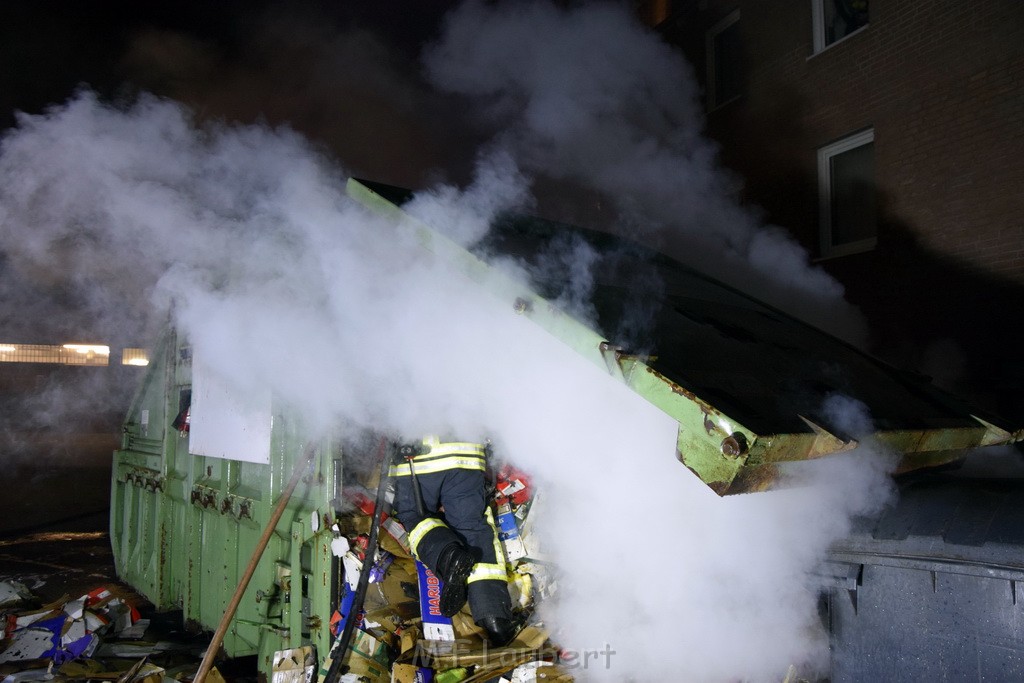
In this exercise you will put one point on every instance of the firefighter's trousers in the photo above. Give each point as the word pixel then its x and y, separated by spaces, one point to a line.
pixel 466 518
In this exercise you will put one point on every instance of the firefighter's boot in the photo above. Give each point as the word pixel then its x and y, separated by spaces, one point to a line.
pixel 500 631
pixel 454 565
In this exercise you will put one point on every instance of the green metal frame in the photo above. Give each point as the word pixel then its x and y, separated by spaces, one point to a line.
pixel 726 455
pixel 183 527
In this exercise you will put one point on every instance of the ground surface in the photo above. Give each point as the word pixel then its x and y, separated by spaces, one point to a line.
pixel 71 558
pixel 64 559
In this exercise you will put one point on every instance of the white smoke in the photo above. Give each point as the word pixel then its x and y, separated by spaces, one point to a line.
pixel 683 585
pixel 465 215
pixel 244 237
pixel 588 95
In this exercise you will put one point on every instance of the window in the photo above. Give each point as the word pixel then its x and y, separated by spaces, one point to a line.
pixel 846 191
pixel 836 19
pixel 724 55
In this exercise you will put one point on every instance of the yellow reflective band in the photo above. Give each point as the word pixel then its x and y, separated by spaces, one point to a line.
pixel 452 448
pixel 499 549
pixel 420 530
pixel 487 572
pixel 458 447
pixel 439 465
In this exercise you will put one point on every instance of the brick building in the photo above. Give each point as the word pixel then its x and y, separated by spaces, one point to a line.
pixel 888 137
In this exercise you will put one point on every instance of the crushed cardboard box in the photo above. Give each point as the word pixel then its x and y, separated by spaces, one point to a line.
pixel 13 593
pixel 296 665
pixel 66 629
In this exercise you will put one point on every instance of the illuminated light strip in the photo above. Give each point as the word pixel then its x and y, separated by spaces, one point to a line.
pixel 135 356
pixel 57 354
pixel 98 349
pixel 70 354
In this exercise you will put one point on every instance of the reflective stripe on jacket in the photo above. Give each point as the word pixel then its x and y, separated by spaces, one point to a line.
pixel 445 456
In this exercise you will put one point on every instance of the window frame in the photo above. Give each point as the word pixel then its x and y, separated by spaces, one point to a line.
pixel 725 22
pixel 825 155
pixel 818 27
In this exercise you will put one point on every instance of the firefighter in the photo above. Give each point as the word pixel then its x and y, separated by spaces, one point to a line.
pixel 441 500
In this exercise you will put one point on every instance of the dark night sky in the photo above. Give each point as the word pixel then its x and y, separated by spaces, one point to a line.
pixel 309 64
pixel 344 74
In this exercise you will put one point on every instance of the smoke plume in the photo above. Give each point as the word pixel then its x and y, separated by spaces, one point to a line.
pixel 242 237
pixel 589 97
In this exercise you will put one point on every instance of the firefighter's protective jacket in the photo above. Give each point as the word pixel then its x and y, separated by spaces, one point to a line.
pixel 452 477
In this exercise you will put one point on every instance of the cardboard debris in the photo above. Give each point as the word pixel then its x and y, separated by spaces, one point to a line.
pixel 508 533
pixel 28 675
pixel 359 525
pixel 436 626
pixel 136 631
pixel 536 671
pixel 403 638
pixel 82 668
pixel 140 672
pixel 75 608
pixel 340 546
pixel 530 644
pixel 392 526
pixel 186 673
pixel 67 630
pixel 77 648
pixel 28 643
pixel 512 486
pixel 52 609
pixel 13 593
pixel 133 671
pixel 297 665
pixel 410 673
pixel 341 615
pixel 380 567
pixel 543 582
pixel 95 637
pixel 529 517
pixel 400 636
pixel 367 659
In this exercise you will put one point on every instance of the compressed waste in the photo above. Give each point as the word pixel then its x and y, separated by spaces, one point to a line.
pixel 400 638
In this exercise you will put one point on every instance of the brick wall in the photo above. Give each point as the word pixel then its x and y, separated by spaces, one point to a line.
pixel 942 84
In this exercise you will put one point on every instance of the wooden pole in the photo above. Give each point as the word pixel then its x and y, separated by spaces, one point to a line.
pixel 257 553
